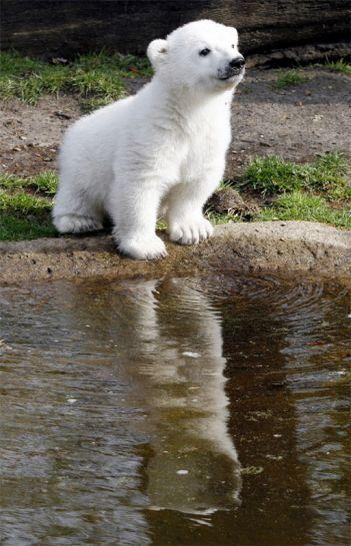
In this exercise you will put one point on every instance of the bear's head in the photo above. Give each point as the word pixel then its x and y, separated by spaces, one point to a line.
pixel 200 55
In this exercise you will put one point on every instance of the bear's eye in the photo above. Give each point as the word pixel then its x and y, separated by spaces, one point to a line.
pixel 233 46
pixel 204 52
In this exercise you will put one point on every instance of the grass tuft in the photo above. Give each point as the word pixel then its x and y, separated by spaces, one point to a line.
pixel 45 183
pixel 96 76
pixel 340 66
pixel 90 104
pixel 225 218
pixel 24 216
pixel 19 228
pixel 299 205
pixel 316 191
pixel 289 78
pixel 327 174
pixel 23 202
pixel 25 206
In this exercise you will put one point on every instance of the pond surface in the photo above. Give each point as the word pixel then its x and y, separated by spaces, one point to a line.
pixel 177 412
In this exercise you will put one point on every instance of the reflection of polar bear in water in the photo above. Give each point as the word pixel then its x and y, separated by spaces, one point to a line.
pixel 178 372
pixel 162 150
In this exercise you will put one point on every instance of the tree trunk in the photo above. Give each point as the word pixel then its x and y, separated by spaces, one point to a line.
pixel 67 27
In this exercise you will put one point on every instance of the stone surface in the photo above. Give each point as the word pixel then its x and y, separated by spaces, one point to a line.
pixel 229 201
pixel 285 248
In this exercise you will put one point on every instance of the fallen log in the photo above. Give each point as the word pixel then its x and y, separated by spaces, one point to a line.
pixel 68 27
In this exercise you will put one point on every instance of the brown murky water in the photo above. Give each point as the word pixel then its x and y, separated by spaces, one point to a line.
pixel 175 413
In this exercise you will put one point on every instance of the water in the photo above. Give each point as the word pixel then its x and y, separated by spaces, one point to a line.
pixel 177 412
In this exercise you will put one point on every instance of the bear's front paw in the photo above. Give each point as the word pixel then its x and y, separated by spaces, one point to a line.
pixel 143 248
pixel 190 232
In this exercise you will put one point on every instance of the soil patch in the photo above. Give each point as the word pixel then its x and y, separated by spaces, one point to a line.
pixel 297 123
pixel 30 135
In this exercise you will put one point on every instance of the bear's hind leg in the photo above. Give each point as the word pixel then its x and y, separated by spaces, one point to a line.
pixel 74 213
pixel 76 223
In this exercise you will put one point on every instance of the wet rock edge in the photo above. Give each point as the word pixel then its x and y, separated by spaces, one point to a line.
pixel 311 250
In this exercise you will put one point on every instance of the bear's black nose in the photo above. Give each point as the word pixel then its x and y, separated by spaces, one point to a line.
pixel 237 62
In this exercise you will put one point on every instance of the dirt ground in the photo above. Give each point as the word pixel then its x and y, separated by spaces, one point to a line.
pixel 296 122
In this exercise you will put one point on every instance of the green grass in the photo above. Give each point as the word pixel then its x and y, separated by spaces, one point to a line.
pixel 218 219
pixel 340 66
pixel 299 205
pixel 317 191
pixel 25 206
pixel 15 228
pixel 45 183
pixel 96 77
pixel 327 174
pixel 22 202
pixel 24 216
pixel 289 78
pixel 87 105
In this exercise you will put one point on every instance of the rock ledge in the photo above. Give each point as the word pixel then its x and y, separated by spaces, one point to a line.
pixel 285 248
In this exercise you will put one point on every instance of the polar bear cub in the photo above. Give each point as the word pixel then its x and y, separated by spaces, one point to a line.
pixel 161 151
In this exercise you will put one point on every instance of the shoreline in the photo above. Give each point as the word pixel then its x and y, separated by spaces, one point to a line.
pixel 283 248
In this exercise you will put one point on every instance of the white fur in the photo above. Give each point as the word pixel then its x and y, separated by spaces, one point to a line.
pixel 159 151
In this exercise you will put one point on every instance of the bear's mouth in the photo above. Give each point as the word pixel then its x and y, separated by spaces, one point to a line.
pixel 229 75
pixel 226 78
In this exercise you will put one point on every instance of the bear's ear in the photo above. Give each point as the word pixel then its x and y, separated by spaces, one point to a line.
pixel 157 51
pixel 236 35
